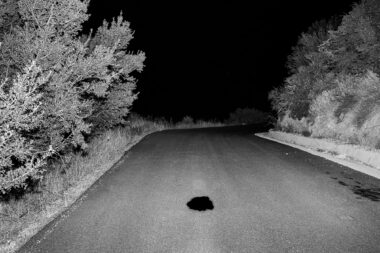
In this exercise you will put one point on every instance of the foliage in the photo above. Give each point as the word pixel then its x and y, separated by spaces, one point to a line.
pixel 187 120
pixel 334 81
pixel 20 114
pixel 309 73
pixel 197 124
pixel 82 83
pixel 344 127
pixel 112 109
pixel 363 93
pixel 309 42
pixel 354 47
pixel 288 124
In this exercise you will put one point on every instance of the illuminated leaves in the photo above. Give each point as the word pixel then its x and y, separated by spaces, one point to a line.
pixel 71 89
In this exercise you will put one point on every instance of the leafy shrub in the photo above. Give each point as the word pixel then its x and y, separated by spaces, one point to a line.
pixel 353 48
pixel 370 130
pixel 309 42
pixel 81 84
pixel 322 111
pixel 21 113
pixel 309 72
pixel 363 91
pixel 328 52
pixel 288 124
pixel 334 117
pixel 187 120
pixel 334 84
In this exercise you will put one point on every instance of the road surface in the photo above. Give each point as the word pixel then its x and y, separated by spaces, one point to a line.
pixel 267 197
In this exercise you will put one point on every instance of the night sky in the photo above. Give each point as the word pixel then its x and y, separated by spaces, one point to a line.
pixel 207 58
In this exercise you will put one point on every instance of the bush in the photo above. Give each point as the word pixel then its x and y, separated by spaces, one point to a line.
pixel 309 73
pixel 187 120
pixel 363 92
pixel 21 113
pixel 329 52
pixel 349 112
pixel 80 84
pixel 334 87
pixel 288 124
pixel 370 130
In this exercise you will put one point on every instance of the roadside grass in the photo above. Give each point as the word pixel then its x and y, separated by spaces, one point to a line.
pixel 189 122
pixel 69 177
pixel 61 186
pixel 343 130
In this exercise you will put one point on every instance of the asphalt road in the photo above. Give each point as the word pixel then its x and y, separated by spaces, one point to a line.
pixel 267 197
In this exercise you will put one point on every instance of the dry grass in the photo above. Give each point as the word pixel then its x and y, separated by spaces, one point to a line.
pixel 342 128
pixel 21 218
pixel 288 124
pixel 189 122
pixel 70 177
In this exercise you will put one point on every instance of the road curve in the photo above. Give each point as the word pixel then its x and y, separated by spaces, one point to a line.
pixel 267 197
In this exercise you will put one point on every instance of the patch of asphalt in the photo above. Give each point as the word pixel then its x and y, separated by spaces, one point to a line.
pixel 335 157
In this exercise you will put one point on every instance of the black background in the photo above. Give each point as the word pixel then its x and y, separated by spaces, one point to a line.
pixel 207 58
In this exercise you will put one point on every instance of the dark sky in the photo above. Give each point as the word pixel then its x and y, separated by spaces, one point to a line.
pixel 207 58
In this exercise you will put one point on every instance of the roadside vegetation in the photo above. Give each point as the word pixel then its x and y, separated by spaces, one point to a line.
pixel 333 88
pixel 65 100
pixel 58 87
pixel 189 122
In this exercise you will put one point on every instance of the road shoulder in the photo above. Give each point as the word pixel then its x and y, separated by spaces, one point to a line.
pixel 355 157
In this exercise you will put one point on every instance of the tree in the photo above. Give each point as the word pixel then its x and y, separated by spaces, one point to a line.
pixel 335 71
pixel 90 85
pixel 309 72
pixel 354 47
pixel 309 42
pixel 115 106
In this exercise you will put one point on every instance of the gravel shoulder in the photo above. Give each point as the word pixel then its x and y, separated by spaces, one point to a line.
pixel 355 157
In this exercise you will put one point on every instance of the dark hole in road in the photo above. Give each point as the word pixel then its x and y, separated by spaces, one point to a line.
pixel 200 204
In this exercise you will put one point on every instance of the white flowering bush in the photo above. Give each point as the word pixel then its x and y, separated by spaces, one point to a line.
pixel 21 113
pixel 59 86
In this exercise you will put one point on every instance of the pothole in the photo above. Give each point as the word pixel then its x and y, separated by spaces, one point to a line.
pixel 202 203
